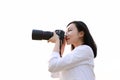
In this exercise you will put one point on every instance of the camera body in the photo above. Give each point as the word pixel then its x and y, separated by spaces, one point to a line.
pixel 46 35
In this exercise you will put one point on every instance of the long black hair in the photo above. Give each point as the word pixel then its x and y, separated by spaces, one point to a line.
pixel 88 40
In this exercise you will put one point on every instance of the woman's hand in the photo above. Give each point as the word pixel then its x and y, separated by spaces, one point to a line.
pixel 54 38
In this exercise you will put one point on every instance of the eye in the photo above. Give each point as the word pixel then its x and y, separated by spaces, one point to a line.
pixel 69 30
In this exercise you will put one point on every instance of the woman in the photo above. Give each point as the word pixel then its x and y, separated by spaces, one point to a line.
pixel 79 63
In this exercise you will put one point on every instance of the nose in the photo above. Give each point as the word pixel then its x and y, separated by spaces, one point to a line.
pixel 66 33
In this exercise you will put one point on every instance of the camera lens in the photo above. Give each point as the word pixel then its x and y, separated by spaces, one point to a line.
pixel 41 35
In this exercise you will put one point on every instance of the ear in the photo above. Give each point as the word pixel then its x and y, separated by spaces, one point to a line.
pixel 81 34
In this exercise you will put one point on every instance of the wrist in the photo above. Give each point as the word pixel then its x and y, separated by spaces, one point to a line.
pixel 56 47
pixel 57 40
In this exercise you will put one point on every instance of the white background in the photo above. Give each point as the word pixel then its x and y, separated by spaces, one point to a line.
pixel 22 58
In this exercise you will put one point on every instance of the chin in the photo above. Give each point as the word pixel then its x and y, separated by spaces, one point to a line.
pixel 68 43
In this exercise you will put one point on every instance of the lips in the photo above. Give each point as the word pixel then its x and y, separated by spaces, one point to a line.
pixel 67 39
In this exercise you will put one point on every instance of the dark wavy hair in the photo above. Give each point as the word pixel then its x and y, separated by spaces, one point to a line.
pixel 88 39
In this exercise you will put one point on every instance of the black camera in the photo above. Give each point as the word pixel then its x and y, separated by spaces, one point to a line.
pixel 46 35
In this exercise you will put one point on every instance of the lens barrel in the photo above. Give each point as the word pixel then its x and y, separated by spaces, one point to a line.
pixel 41 35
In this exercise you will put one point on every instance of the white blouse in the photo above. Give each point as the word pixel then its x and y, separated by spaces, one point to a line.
pixel 77 65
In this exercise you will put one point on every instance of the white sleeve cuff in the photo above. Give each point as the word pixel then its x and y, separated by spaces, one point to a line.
pixel 55 75
pixel 55 54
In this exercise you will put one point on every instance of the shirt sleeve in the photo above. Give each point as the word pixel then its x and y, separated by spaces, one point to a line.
pixel 55 75
pixel 80 55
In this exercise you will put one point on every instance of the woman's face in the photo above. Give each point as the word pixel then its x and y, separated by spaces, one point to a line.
pixel 72 35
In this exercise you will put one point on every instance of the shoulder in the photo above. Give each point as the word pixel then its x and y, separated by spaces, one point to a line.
pixel 84 49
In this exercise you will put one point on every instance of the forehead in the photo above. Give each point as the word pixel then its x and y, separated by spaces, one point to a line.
pixel 71 26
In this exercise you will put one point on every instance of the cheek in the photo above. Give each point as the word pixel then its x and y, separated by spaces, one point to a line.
pixel 73 34
pixel 74 37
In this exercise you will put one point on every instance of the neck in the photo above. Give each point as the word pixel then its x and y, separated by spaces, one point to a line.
pixel 78 44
